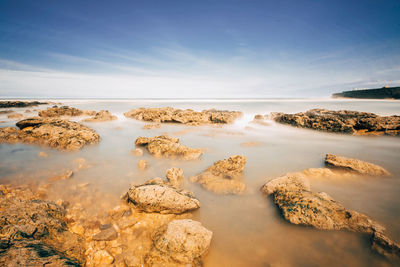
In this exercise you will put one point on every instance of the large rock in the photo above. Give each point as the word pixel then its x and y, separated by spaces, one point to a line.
pixel 155 196
pixel 43 221
pixel 342 121
pixel 20 104
pixel 61 134
pixel 224 177
pixel 186 116
pixel 355 165
pixel 165 146
pixel 180 243
pixel 102 115
pixel 299 205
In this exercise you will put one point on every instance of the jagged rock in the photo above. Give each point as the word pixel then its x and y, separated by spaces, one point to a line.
pixel 61 111
pixel 61 134
pixel 179 243
pixel 142 164
pixel 30 220
pixel 161 198
pixel 106 235
pixel 299 205
pixel 103 115
pixel 224 176
pixel 20 104
pixel 165 146
pixel 175 177
pixel 355 165
pixel 186 116
pixel 342 121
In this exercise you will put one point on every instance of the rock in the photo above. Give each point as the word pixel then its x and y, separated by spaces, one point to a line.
pixel 15 116
pixel 62 176
pixel 152 126
pixel 77 229
pixel 224 176
pixel 342 121
pixel 186 116
pixel 20 104
pixel 61 111
pixel 299 205
pixel 81 164
pixel 142 164
pixel 175 177
pixel 8 111
pixel 42 154
pixel 61 134
pixel 162 199
pixel 165 146
pixel 180 242
pixel 126 222
pixel 107 234
pixel 355 165
pixel 102 258
pixel 28 111
pixel 103 115
pixel 137 151
pixel 37 224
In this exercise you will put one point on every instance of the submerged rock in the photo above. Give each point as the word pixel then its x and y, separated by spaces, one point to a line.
pixel 342 121
pixel 61 134
pixel 152 126
pixel 33 226
pixel 155 196
pixel 142 164
pixel 186 116
pixel 355 165
pixel 20 104
pixel 106 235
pixel 299 205
pixel 102 115
pixel 165 146
pixel 175 177
pixel 179 243
pixel 15 116
pixel 224 176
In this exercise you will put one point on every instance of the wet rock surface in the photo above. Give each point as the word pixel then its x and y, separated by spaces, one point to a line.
pixel 186 116
pixel 165 146
pixel 57 133
pixel 15 116
pixel 355 165
pixel 33 231
pixel 56 111
pixel 180 243
pixel 224 177
pixel 20 104
pixel 103 115
pixel 342 121
pixel 299 205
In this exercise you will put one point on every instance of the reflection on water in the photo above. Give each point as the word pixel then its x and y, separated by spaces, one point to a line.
pixel 248 230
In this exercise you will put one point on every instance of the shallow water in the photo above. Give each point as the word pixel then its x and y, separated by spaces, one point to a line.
pixel 248 230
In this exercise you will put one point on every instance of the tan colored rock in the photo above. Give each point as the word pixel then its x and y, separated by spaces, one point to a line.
pixel 186 116
pixel 137 151
pixel 175 177
pixel 142 164
pixel 62 176
pixel 42 154
pixel 103 115
pixel 162 199
pixel 61 134
pixel 180 243
pixel 355 165
pixel 60 111
pixel 165 146
pixel 290 182
pixel 20 104
pixel 17 116
pixel 77 229
pixel 224 177
pixel 152 126
pixel 102 258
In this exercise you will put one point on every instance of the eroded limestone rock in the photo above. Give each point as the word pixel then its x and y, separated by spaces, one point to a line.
pixel 224 177
pixel 102 115
pixel 165 146
pixel 355 165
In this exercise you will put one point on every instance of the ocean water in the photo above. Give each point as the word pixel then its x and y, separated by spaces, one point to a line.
pixel 248 229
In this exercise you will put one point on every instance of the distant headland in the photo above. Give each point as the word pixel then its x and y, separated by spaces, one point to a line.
pixel 377 93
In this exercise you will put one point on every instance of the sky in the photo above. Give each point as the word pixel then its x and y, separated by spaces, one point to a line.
pixel 197 49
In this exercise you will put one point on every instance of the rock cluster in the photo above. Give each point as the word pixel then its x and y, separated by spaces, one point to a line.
pixel 299 205
pixel 20 104
pixel 179 243
pixel 58 133
pixel 165 146
pixel 186 116
pixel 102 115
pixel 342 121
pixel 224 177
pixel 33 232
pixel 56 111
pixel 355 165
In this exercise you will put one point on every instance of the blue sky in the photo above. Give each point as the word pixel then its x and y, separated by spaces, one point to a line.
pixel 210 49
